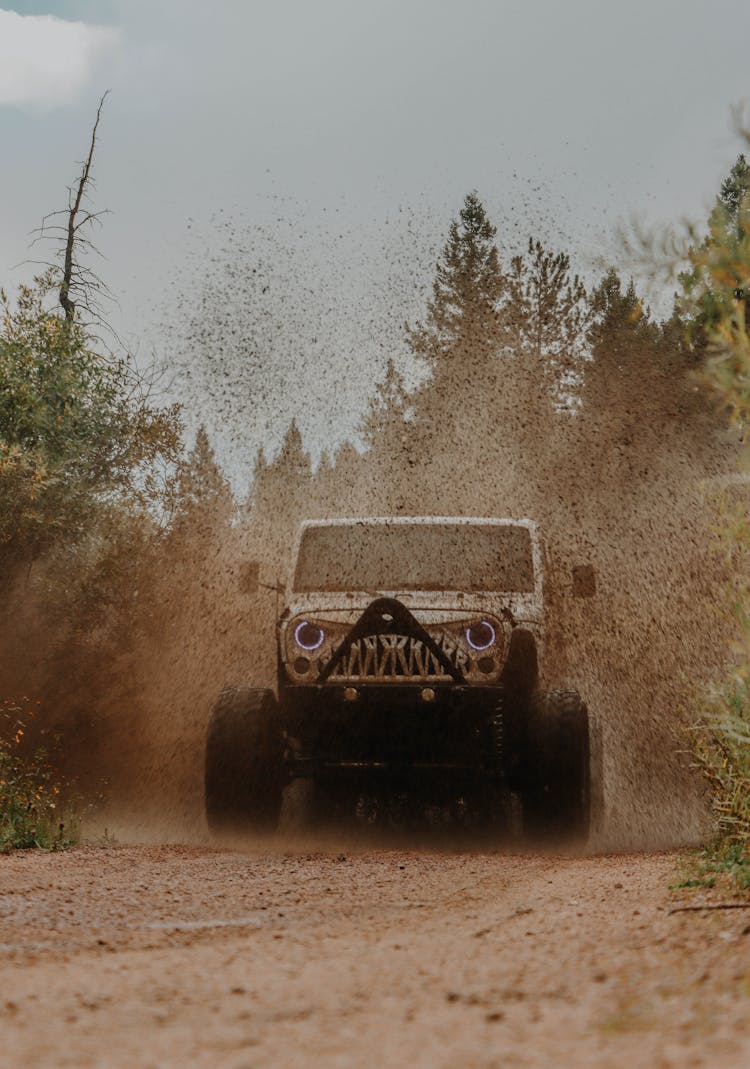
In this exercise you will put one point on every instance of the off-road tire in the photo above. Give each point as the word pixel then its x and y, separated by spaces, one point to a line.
pixel 244 772
pixel 556 796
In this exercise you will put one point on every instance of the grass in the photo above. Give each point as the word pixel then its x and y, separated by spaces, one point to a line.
pixel 722 862
pixel 714 290
pixel 728 860
pixel 36 808
pixel 720 741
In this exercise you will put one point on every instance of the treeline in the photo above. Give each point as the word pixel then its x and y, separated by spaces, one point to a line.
pixel 532 383
pixel 128 594
pixel 540 395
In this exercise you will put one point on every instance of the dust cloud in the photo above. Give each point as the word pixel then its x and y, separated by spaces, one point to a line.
pixel 614 453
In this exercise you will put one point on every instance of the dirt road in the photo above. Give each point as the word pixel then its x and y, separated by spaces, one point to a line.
pixel 170 956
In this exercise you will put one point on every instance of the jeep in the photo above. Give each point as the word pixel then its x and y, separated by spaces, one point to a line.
pixel 409 660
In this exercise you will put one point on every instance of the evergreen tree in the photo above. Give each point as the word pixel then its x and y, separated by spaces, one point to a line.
pixel 387 431
pixel 281 491
pixel 325 467
pixel 323 488
pixel 716 279
pixel 463 340
pixel 260 466
pixel 488 338
pixel 389 410
pixel 351 495
pixel 293 464
pixel 461 331
pixel 642 414
pixel 620 324
pixel 733 201
pixel 203 499
pixel 623 342
pixel 549 316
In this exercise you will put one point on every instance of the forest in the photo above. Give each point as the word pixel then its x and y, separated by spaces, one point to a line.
pixel 128 565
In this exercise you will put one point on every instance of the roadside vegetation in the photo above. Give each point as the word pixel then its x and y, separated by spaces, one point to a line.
pixel 36 807
pixel 124 555
pixel 85 466
pixel 717 292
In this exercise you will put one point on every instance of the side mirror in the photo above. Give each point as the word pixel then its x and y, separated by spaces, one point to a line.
pixel 249 578
pixel 584 581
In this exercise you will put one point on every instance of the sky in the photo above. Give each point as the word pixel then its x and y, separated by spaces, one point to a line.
pixel 281 174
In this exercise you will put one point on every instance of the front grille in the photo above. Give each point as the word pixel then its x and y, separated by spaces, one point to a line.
pixel 395 657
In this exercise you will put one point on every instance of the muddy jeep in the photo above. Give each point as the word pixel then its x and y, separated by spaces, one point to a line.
pixel 409 656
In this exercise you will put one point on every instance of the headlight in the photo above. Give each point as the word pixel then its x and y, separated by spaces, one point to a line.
pixel 309 636
pixel 481 636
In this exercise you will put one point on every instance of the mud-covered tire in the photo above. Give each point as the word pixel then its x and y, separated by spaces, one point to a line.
pixel 244 762
pixel 556 796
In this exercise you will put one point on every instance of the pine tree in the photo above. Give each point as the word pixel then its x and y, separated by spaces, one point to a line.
pixel 733 202
pixel 281 491
pixel 323 488
pixel 619 322
pixel 293 463
pixel 203 498
pixel 641 412
pixel 388 412
pixel 482 426
pixel 387 431
pixel 716 279
pixel 461 331
pixel 622 346
pixel 549 315
pixel 463 342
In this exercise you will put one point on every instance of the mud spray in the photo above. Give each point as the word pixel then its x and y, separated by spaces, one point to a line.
pixel 628 491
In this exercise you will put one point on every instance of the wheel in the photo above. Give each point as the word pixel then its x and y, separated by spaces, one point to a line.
pixel 244 774
pixel 556 795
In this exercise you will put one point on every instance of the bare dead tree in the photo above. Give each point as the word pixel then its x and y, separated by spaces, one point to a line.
pixel 80 287
pixel 75 224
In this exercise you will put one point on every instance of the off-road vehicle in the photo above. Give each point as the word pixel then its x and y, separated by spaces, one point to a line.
pixel 409 654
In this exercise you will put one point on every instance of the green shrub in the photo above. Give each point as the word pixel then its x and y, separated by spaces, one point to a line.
pixel 35 801
pixel 718 291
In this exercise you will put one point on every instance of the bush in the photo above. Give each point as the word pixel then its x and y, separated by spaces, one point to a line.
pixel 79 440
pixel 720 740
pixel 35 802
pixel 718 288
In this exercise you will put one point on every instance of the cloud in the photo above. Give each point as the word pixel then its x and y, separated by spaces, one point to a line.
pixel 45 60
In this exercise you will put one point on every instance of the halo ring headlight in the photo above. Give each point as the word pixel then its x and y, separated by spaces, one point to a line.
pixel 481 636
pixel 308 636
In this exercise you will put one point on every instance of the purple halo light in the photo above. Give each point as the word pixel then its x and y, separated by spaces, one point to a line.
pixel 306 642
pixel 487 631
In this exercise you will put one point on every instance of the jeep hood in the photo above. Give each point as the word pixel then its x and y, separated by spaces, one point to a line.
pixel 427 606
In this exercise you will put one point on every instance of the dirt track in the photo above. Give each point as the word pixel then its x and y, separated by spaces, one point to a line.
pixel 168 956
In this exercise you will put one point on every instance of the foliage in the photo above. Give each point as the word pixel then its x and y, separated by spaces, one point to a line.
pixel 280 492
pixel 32 792
pixel 720 740
pixel 78 437
pixel 717 270
pixel 720 273
pixel 726 859
pixel 721 860
pixel 620 324
pixel 203 498
pixel 389 410
pixel 556 374
pixel 467 293
pixel 551 314
pixel 640 398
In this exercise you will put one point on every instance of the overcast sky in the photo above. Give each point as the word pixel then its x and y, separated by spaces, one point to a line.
pixel 326 145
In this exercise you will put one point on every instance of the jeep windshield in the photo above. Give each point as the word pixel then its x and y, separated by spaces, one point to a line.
pixel 415 556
